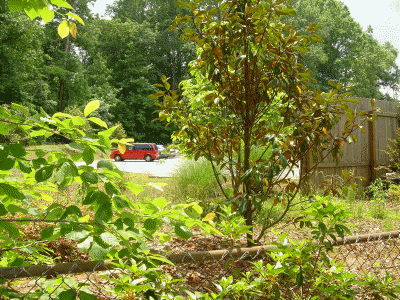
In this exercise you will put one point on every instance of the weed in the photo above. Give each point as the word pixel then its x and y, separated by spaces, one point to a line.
pixel 195 180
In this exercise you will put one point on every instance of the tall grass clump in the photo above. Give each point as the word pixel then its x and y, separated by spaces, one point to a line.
pixel 194 180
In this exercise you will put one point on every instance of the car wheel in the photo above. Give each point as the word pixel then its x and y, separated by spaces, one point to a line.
pixel 117 157
pixel 148 158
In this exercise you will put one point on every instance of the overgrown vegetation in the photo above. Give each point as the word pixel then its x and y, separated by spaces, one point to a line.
pixel 254 125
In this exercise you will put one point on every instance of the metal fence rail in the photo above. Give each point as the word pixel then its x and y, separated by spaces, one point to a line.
pixel 364 254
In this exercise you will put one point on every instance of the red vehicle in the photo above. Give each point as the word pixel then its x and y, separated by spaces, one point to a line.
pixel 146 151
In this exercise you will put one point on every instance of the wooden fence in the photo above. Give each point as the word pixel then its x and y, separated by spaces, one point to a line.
pixel 363 157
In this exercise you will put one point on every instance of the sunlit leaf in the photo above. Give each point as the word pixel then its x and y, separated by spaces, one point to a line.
pixel 63 29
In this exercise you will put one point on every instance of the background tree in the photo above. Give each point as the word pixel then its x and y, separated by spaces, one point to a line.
pixel 345 52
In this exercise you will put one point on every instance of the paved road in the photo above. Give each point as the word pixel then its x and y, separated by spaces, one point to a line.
pixel 162 168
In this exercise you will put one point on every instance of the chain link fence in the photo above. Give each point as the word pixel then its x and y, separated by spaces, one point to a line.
pixel 364 254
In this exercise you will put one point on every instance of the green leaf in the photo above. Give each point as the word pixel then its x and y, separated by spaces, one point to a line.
pixel 95 196
pixel 5 128
pixel 89 177
pixel 299 279
pixel 88 155
pixel 97 252
pixel 108 132
pixel 63 29
pixel 104 213
pixel 3 210
pixel 98 122
pixel 11 191
pixel 91 107
pixel 17 150
pixel 40 132
pixel 76 17
pixel 111 189
pixel 47 14
pixel 67 295
pixel 61 3
pixel 37 163
pixel 47 233
pixel 24 167
pixel 135 188
pixel 160 202
pixel 151 224
pixel 86 296
pixel 7 164
pixel 10 228
pixel 20 108
pixel 71 210
pixel 109 239
pixel 40 153
pixel 120 203
pixel 44 173
pixel 105 164
pixel 182 231
pixel 77 235
pixel 164 238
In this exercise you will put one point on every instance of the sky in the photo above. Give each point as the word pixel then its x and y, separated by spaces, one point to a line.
pixel 382 15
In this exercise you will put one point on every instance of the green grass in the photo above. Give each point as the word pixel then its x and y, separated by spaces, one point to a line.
pixel 194 180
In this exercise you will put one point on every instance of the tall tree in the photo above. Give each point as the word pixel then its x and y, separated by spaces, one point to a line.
pixel 341 55
pixel 248 68
pixel 21 60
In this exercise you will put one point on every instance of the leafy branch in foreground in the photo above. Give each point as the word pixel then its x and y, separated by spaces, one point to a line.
pixel 102 219
pixel 45 9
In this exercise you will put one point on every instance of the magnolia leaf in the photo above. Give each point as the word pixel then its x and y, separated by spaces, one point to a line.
pixel 63 29
pixel 91 107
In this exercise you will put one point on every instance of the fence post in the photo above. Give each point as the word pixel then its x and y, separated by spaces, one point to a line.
pixel 372 151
